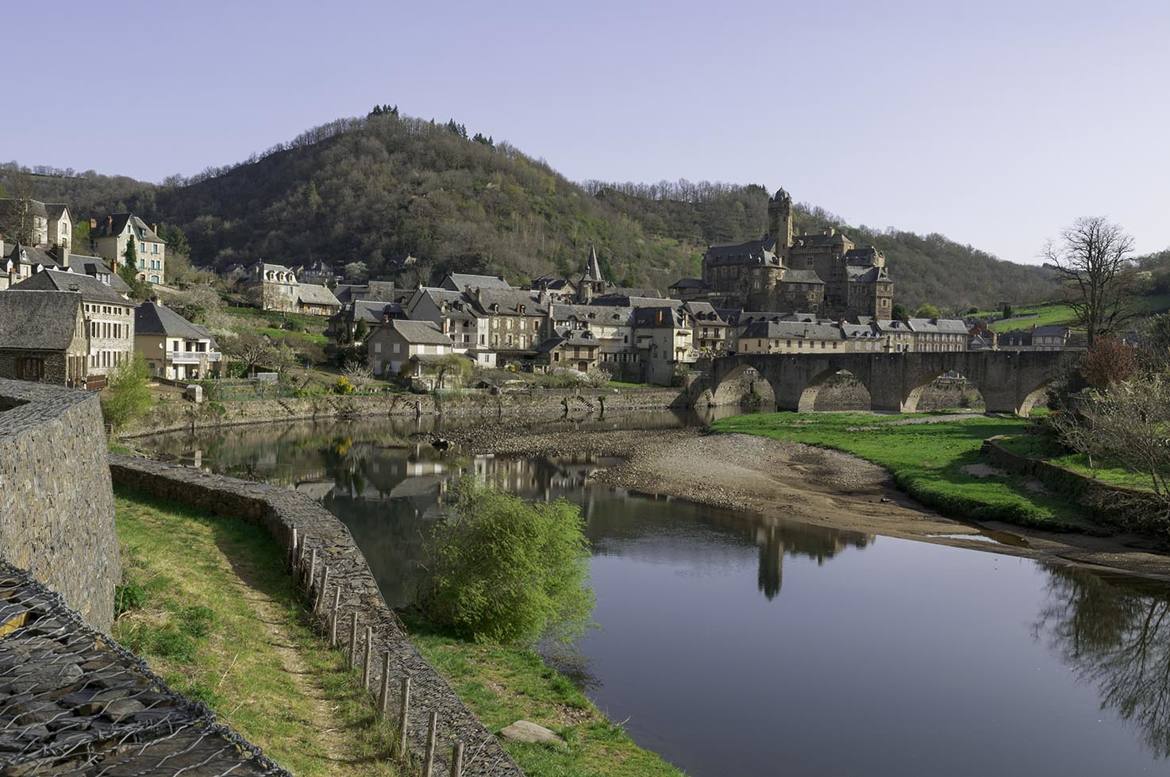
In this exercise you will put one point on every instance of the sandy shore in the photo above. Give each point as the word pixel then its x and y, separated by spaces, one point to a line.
pixel 790 481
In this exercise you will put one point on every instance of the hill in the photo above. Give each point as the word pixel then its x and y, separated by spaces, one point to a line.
pixel 379 188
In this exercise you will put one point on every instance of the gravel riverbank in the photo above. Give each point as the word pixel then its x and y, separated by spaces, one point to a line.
pixel 791 481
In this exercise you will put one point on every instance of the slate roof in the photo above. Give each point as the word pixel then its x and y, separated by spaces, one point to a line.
pixel 951 326
pixel 372 310
pixel 55 209
pixel 316 294
pixel 91 289
pixel 38 320
pixel 374 290
pixel 116 223
pixel 793 330
pixel 801 276
pixel 509 301
pixel 95 266
pixel 859 274
pixel 688 283
pixel 32 255
pixel 759 251
pixel 9 206
pixel 704 311
pixel 612 315
pixel 863 255
pixel 419 332
pixel 658 316
pixel 568 337
pixel 593 268
pixel 154 318
pixel 465 281
pixel 820 239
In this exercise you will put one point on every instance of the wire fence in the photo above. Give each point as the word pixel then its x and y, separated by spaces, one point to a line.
pixel 74 702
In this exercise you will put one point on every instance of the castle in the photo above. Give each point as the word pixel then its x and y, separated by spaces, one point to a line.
pixel 823 273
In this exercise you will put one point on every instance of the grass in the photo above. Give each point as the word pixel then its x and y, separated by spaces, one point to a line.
pixel 186 608
pixel 1036 315
pixel 505 684
pixel 928 461
pixel 1039 446
pixel 625 384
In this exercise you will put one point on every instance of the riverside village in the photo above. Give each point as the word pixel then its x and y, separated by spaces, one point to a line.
pixel 395 450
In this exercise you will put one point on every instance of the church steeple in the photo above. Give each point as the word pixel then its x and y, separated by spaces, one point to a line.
pixel 592 282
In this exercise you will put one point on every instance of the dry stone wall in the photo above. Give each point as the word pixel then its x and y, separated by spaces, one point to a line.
pixel 56 502
pixel 281 510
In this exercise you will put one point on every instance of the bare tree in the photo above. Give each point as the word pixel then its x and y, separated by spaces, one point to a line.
pixel 1093 257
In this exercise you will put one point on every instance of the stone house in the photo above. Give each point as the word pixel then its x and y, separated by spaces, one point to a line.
pixel 109 316
pixel 35 222
pixel 384 291
pixel 43 337
pixel 572 349
pixel 896 335
pixel 313 299
pixel 397 342
pixel 172 346
pixel 19 262
pixel 515 319
pixel 610 326
pixel 273 286
pixel 110 237
pixel 455 314
pixel 1038 338
pixel 938 334
pixel 663 336
pixel 342 327
pixel 792 337
pixel 710 329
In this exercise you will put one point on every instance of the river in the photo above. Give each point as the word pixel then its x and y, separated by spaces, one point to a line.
pixel 735 645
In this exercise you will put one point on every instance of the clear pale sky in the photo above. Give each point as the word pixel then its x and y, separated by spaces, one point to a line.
pixel 995 123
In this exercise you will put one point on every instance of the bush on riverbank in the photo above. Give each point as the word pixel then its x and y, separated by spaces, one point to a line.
pixel 938 463
pixel 507 570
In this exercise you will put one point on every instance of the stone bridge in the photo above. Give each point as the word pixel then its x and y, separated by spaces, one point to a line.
pixel 1010 381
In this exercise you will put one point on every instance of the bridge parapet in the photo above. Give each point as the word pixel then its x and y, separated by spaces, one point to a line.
pixel 1010 381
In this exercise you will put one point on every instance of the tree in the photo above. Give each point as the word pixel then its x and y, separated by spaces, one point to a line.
pixel 927 310
pixel 356 272
pixel 360 331
pixel 509 571
pixel 18 216
pixel 900 313
pixel 452 365
pixel 251 350
pixel 139 289
pixel 131 255
pixel 1108 361
pixel 127 394
pixel 1093 258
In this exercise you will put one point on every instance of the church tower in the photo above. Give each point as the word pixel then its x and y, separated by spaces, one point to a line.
pixel 592 283
pixel 780 221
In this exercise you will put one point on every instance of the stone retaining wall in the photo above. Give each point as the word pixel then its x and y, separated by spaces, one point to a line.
pixel 56 503
pixel 281 510
pixel 1118 506
pixel 178 414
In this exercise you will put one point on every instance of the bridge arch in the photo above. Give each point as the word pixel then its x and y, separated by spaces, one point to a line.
pixel 931 392
pixel 744 385
pixel 1033 398
pixel 815 389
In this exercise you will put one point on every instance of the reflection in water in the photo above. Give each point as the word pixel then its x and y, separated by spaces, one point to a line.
pixel 726 639
pixel 1117 637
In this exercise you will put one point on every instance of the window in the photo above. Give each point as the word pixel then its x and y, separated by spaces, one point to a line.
pixel 377 347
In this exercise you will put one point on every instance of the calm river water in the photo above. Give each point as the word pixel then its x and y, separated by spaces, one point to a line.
pixel 732 645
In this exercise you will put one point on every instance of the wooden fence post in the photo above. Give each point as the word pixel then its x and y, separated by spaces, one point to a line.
pixel 457 760
pixel 292 550
pixel 368 664
pixel 320 601
pixel 334 616
pixel 353 640
pixel 384 696
pixel 432 730
pixel 312 574
pixel 403 718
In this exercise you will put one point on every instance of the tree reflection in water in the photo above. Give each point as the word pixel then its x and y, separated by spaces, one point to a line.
pixel 1116 635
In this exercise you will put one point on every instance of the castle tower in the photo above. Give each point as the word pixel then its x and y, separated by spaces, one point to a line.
pixel 780 221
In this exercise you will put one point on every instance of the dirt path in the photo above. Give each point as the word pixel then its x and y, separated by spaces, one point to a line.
pixel 272 619
pixel 791 481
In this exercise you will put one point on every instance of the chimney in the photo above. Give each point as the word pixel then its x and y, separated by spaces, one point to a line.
pixel 63 253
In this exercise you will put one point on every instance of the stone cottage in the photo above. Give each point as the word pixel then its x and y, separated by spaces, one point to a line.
pixel 110 237
pixel 397 342
pixel 172 346
pixel 43 337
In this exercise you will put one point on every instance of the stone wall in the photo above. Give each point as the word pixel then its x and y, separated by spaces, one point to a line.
pixel 178 414
pixel 1125 508
pixel 56 503
pixel 280 511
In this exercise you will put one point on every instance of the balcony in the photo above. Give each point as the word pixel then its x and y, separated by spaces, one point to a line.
pixel 193 357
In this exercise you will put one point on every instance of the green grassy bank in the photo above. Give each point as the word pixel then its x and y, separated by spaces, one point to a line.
pixel 933 462
pixel 207 602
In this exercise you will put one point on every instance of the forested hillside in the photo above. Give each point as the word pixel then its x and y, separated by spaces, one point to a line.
pixel 378 188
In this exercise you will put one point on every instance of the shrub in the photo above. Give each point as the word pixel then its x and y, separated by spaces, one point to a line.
pixel 343 386
pixel 128 596
pixel 127 396
pixel 509 571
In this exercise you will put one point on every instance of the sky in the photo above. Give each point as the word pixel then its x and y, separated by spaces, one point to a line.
pixel 994 123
